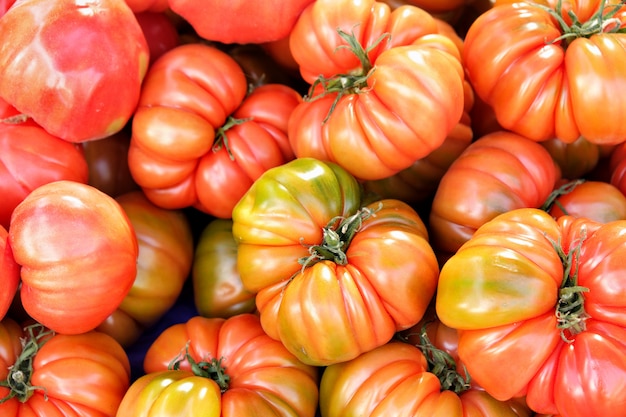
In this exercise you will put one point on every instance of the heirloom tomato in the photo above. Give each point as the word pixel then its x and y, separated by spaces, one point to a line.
pixel 617 167
pixel 333 279
pixel 78 255
pixel 596 200
pixel 215 367
pixel 539 305
pixel 575 159
pixel 163 265
pixel 9 273
pixel 30 157
pixel 553 69
pixel 198 139
pixel 239 21
pixel 386 86
pixel 138 6
pixel 160 32
pixel 497 173
pixel 217 287
pixel 45 374
pixel 74 67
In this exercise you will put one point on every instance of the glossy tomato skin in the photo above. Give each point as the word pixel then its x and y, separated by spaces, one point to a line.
pixel 556 75
pixel 163 265
pixel 84 374
pixel 500 291
pixel 155 6
pixel 575 159
pixel 264 378
pixel 185 127
pixel 496 173
pixel 378 126
pixel 78 255
pixel 596 200
pixel 79 93
pixel 9 271
pixel 217 287
pixel 240 22
pixel 160 32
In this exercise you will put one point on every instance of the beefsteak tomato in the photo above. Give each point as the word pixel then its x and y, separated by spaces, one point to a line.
pixel 198 139
pixel 552 70
pixel 215 367
pixel 45 374
pixel 386 86
pixel 78 255
pixel 9 271
pixel 540 308
pixel 596 200
pixel 75 67
pixel 163 264
pixel 333 279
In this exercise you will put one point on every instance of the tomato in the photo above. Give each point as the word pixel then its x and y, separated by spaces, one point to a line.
pixel 74 67
pixel 60 375
pixel 539 305
pixel 107 160
pixel 78 255
pixel 395 379
pixel 5 5
pixel 9 271
pixel 159 31
pixel 30 157
pixel 163 265
pixel 537 75
pixel 217 287
pixel 497 173
pixel 198 139
pixel 215 367
pixel 333 279
pixel 155 6
pixel 617 167
pixel 575 159
pixel 240 21
pixel 596 200
pixel 358 114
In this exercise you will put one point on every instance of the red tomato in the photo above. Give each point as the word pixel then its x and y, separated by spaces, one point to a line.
pixel 60 375
pixel 497 173
pixel 30 157
pixel 160 32
pixel 240 21
pixel 5 5
pixel 537 74
pixel 217 287
pixel 357 113
pixel 198 139
pixel 239 372
pixel 540 305
pixel 78 255
pixel 139 6
pixel 596 200
pixel 75 67
pixel 163 265
pixel 9 271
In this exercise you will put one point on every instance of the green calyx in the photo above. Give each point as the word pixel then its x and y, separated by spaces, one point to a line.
pixel 20 373
pixel 552 199
pixel 221 139
pixel 603 21
pixel 211 369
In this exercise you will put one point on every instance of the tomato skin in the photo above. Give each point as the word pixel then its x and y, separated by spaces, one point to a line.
pixel 556 79
pixel 163 265
pixel 265 378
pixel 575 159
pixel 500 291
pixel 187 98
pixel 9 271
pixel 156 6
pixel 159 31
pixel 583 201
pixel 217 287
pixel 83 374
pixel 240 21
pixel 82 93
pixel 374 133
pixel 497 173
pixel 78 255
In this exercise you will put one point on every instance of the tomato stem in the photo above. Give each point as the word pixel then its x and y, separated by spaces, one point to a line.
pixel 599 22
pixel 337 235
pixel 211 369
pixel 562 190
pixel 15 120
pixel 221 139
pixel 353 82
pixel 570 307
pixel 18 379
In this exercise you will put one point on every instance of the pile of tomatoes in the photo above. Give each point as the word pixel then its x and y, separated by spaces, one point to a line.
pixel 312 208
